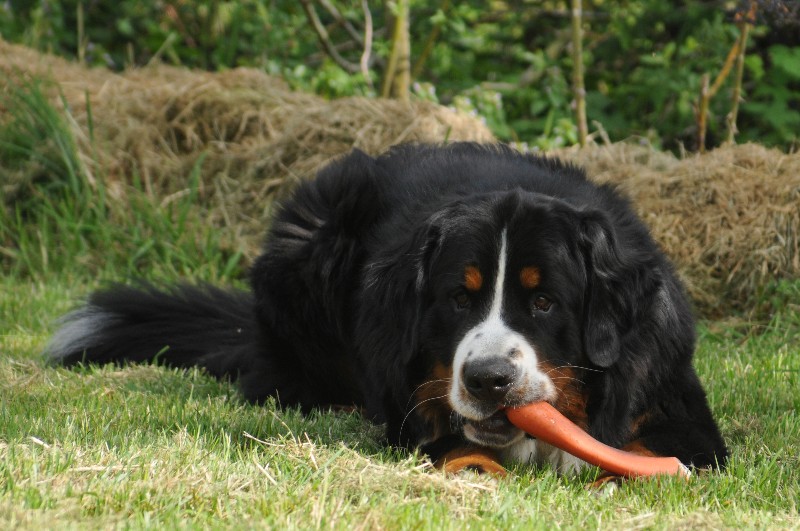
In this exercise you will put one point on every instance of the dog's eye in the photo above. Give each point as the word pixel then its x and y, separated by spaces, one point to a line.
pixel 542 304
pixel 461 299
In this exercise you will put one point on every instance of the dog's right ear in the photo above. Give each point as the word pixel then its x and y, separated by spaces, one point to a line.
pixel 399 277
pixel 429 242
pixel 411 260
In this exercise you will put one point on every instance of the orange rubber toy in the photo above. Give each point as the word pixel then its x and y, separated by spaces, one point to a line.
pixel 544 422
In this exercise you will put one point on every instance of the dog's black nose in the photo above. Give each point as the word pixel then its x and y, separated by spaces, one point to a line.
pixel 489 380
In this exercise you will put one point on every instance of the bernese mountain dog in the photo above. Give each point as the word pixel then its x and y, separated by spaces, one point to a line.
pixel 432 287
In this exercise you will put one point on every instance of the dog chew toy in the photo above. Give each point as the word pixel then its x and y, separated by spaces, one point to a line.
pixel 544 422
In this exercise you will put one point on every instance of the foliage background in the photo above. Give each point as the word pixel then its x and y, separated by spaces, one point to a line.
pixel 507 61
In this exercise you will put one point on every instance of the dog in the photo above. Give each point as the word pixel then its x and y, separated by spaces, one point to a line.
pixel 431 287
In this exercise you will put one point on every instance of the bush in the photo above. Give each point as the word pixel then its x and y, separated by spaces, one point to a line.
pixel 644 58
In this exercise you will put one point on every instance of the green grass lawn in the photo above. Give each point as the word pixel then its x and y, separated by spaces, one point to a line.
pixel 147 446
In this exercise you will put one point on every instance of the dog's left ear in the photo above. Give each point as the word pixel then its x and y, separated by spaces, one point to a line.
pixel 617 278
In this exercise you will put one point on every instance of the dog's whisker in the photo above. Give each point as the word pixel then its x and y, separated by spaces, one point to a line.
pixel 423 384
pixel 579 367
pixel 569 378
pixel 402 425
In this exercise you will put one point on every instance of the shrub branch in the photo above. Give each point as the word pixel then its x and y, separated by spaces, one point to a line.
pixel 735 55
pixel 577 72
pixel 325 40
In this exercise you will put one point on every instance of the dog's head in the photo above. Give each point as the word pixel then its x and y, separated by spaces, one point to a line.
pixel 519 295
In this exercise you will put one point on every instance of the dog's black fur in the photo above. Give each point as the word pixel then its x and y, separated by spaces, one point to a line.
pixel 379 270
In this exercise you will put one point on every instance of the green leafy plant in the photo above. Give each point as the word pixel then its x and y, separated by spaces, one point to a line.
pixel 774 102
pixel 644 59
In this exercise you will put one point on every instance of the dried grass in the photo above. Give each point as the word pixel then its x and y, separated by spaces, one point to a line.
pixel 730 218
pixel 256 136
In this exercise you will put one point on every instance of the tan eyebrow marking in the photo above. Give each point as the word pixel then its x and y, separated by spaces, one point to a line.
pixel 473 280
pixel 530 277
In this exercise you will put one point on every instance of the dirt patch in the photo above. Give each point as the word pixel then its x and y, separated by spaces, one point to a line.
pixel 730 218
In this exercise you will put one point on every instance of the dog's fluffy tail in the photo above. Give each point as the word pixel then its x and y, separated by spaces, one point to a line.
pixel 181 326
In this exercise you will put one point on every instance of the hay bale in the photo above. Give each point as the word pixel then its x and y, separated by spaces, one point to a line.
pixel 729 219
pixel 251 136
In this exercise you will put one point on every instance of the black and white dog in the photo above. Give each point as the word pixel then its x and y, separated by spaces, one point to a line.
pixel 433 287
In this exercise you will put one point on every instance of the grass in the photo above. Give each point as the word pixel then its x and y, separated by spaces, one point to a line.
pixel 60 217
pixel 147 446
pixel 152 447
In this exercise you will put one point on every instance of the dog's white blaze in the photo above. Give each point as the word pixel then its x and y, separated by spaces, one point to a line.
pixel 497 299
pixel 492 337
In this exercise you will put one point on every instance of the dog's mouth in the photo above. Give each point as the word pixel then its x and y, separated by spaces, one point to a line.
pixel 495 431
